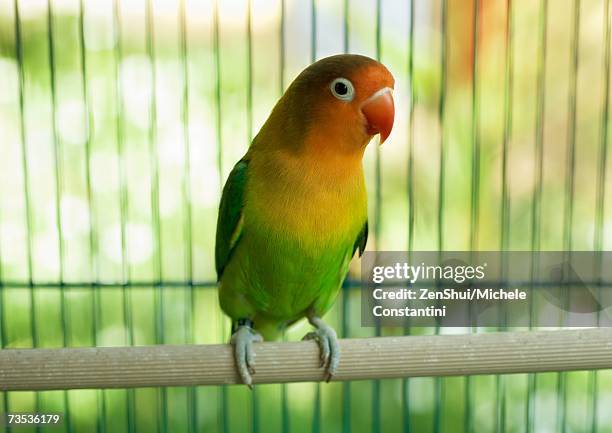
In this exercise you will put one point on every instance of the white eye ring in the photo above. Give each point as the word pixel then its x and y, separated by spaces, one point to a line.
pixel 340 85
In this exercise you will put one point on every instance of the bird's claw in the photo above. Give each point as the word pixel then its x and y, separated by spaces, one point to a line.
pixel 328 345
pixel 244 355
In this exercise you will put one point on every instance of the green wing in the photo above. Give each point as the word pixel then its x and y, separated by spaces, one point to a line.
pixel 229 222
pixel 362 240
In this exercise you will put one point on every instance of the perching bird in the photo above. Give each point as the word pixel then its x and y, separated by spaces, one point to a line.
pixel 294 208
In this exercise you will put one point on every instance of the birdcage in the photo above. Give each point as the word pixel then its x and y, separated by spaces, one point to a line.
pixel 121 120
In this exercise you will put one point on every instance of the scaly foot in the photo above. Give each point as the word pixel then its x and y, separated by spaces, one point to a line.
pixel 328 344
pixel 243 340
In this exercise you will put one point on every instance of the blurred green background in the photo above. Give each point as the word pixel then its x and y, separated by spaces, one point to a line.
pixel 119 121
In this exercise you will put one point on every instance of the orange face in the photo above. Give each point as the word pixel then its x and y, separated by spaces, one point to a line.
pixel 365 97
pixel 345 100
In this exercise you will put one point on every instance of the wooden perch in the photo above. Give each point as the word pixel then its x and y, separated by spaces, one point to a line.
pixel 364 358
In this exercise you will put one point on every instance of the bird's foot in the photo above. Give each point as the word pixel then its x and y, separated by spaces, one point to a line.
pixel 244 355
pixel 328 344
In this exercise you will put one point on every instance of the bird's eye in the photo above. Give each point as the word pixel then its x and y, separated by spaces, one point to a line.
pixel 342 89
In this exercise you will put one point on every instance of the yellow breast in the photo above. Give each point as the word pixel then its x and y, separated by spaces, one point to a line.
pixel 312 200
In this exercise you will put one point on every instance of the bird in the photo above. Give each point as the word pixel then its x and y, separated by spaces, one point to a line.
pixel 293 210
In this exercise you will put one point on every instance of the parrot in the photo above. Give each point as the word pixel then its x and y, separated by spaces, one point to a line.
pixel 293 210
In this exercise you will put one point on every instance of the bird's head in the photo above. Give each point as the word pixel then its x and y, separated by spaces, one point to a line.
pixel 339 103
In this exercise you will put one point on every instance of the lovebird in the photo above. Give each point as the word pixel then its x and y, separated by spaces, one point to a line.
pixel 293 211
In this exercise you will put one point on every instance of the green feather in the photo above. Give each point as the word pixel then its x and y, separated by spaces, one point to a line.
pixel 230 219
pixel 362 240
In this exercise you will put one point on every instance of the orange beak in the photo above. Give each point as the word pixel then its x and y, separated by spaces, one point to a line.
pixel 379 112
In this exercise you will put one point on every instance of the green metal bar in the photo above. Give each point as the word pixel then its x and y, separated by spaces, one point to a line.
pixel 3 338
pixel 285 420
pixel 118 57
pixel 539 130
pixel 475 192
pixel 411 201
pixel 100 395
pixel 3 335
pixel 378 180
pixel 26 182
pixel 119 138
pixel 217 58
pixel 26 188
pixel 249 95
pixel 410 192
pixel 155 216
pixel 568 213
pixel 104 285
pixel 598 241
pixel 475 189
pixel 442 118
pixel 537 193
pixel 500 410
pixel 192 397
pixel 346 27
pixel 57 147
pixel 93 242
pixel 316 418
pixel 120 127
pixel 571 131
pixel 500 381
pixel 598 238
pixel 313 31
pixel 346 386
pixel 439 385
pixel 88 122
pixel 537 196
pixel 509 105
pixel 125 271
pixel 24 146
pixel 58 161
pixel 281 37
pixel 5 394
